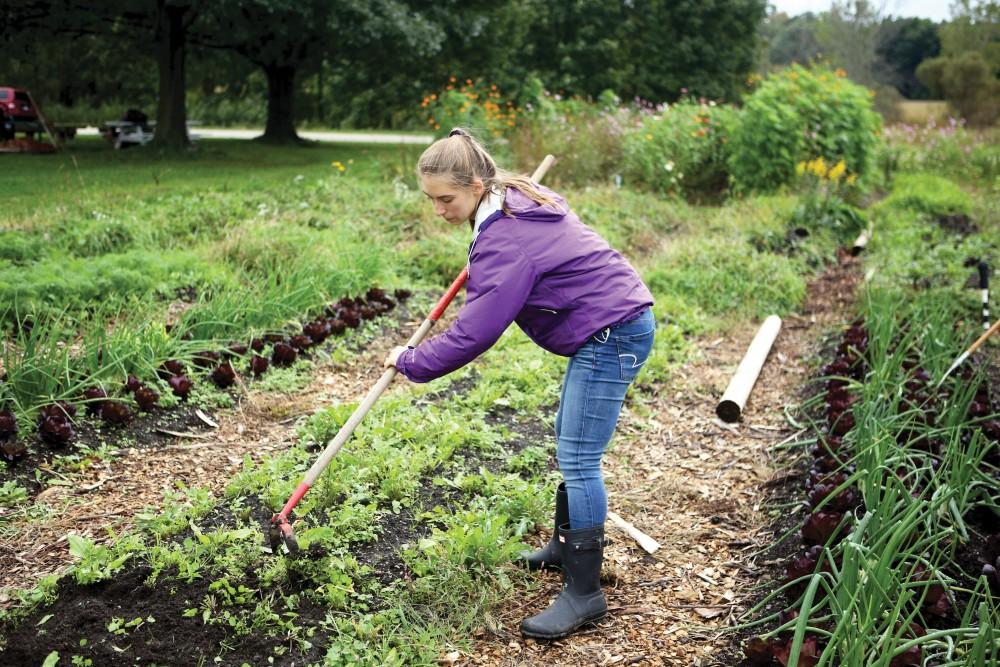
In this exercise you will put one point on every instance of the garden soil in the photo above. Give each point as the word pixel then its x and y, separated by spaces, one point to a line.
pixel 695 484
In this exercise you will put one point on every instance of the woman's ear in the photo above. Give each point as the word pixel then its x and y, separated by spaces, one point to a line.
pixel 478 187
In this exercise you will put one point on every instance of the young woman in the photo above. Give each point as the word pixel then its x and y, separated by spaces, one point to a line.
pixel 533 262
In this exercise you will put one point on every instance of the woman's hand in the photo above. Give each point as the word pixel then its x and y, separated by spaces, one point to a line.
pixel 390 359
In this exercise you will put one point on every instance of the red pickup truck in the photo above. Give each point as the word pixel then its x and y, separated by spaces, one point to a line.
pixel 17 113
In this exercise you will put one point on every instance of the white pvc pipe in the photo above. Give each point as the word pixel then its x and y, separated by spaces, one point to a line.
pixel 736 394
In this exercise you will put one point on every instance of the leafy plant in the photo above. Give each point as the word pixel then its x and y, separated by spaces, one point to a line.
pixel 681 150
pixel 799 113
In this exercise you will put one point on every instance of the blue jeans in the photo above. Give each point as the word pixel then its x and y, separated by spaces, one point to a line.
pixel 592 394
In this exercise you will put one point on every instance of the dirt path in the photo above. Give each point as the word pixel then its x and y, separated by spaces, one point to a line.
pixel 108 495
pixel 693 484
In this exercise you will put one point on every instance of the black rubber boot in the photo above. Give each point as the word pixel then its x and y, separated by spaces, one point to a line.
pixel 581 600
pixel 548 557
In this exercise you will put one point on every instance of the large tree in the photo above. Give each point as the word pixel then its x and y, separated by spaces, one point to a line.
pixel 903 44
pixel 648 48
pixel 138 23
pixel 287 38
pixel 966 73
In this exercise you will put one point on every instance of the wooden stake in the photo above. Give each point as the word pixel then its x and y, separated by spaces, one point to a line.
pixel 644 540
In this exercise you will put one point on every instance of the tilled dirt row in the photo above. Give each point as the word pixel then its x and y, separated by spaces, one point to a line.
pixel 110 493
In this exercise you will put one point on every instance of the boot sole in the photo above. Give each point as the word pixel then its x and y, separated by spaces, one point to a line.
pixel 561 635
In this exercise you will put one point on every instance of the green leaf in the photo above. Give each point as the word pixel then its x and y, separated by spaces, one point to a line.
pixel 51 659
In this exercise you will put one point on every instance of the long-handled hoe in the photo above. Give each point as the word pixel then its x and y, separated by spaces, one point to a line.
pixel 280 530
pixel 972 348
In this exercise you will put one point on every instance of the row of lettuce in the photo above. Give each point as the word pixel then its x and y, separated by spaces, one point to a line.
pixel 902 533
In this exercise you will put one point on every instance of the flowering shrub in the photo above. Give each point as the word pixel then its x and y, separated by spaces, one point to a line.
pixel 682 149
pixel 583 134
pixel 799 113
pixel 470 104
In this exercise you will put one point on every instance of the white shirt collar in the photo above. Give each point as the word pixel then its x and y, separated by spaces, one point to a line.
pixel 490 205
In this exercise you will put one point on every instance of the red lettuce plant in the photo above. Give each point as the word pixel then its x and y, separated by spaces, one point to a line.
pixel 146 398
pixel 823 526
pixel 283 355
pixel 171 367
pixel 808 655
pixel 258 365
pixel 224 375
pixel 804 564
pixel 132 383
pixel 300 342
pixel 181 385
pixel 95 398
pixel 317 330
pixel 206 359
pixel 236 349
pixel 115 412
pixel 8 424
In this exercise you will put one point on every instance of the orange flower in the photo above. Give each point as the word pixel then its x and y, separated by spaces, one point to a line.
pixel 452 79
pixel 468 82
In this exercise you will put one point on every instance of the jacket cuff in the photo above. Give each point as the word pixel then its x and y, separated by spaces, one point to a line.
pixel 402 361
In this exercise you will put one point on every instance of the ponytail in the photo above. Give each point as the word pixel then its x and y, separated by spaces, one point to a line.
pixel 462 159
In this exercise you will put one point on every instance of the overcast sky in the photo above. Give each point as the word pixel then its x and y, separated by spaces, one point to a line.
pixel 937 10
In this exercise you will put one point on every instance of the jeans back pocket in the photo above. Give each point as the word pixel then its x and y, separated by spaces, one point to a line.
pixel 633 351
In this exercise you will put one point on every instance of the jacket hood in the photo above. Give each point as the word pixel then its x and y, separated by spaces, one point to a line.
pixel 522 206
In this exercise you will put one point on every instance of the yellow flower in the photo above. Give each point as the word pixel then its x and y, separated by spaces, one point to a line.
pixel 649 137
pixel 851 178
pixel 837 171
pixel 800 168
pixel 841 72
pixel 338 165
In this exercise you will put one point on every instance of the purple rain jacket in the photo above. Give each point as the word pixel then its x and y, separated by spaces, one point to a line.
pixel 542 268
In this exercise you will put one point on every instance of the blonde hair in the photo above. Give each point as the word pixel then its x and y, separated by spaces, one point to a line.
pixel 462 159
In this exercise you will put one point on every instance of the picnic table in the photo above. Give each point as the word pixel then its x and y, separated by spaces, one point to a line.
pixel 124 133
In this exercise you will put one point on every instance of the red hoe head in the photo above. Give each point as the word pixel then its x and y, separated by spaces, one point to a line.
pixel 280 531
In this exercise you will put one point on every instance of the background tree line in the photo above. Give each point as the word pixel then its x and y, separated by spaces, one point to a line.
pixel 901 58
pixel 366 63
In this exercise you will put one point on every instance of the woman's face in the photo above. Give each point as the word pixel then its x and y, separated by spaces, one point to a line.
pixel 456 205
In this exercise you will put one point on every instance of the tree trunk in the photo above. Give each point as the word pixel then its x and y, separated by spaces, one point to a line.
pixel 280 127
pixel 171 111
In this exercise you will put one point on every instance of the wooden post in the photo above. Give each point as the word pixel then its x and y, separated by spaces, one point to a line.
pixel 735 397
pixel 43 121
